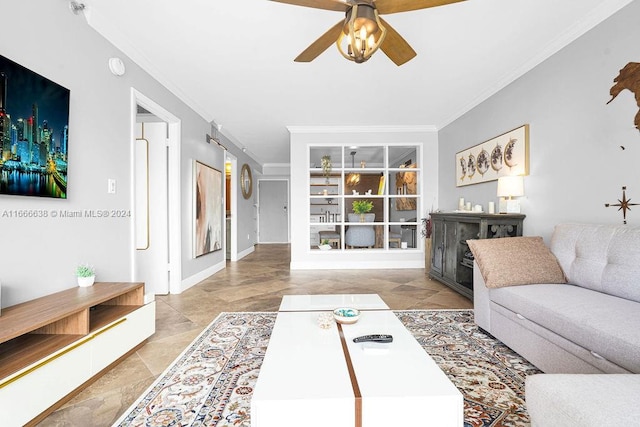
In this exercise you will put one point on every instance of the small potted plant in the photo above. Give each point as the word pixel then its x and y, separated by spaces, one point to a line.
pixel 326 167
pixel 86 275
pixel 324 245
pixel 362 207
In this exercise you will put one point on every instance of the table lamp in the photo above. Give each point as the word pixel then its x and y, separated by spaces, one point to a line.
pixel 509 187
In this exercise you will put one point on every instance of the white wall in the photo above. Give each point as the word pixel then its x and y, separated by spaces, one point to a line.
pixel 301 137
pixel 576 163
pixel 38 255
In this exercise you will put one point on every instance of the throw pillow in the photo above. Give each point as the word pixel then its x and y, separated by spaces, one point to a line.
pixel 516 261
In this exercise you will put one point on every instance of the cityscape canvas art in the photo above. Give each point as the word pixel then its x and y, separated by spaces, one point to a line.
pixel 34 133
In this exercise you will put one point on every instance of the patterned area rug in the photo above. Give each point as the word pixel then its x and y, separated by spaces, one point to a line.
pixel 211 382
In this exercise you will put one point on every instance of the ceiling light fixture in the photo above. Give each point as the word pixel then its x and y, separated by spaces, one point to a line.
pixel 76 7
pixel 362 34
pixel 353 179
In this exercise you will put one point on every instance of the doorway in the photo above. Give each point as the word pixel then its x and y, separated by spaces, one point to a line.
pixel 231 205
pixel 273 211
pixel 156 182
pixel 151 203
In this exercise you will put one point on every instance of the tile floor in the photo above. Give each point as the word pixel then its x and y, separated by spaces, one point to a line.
pixel 255 283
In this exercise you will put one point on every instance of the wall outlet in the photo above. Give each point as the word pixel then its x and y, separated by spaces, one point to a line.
pixel 111 186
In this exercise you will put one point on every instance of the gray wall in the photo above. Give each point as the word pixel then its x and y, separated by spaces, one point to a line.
pixel 38 255
pixel 576 163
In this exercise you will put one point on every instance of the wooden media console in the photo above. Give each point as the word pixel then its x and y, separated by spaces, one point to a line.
pixel 54 346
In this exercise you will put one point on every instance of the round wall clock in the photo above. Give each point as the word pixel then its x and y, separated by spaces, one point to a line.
pixel 246 181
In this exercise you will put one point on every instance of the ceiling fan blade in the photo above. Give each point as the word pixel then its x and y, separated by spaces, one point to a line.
pixel 336 5
pixel 395 47
pixel 322 44
pixel 386 7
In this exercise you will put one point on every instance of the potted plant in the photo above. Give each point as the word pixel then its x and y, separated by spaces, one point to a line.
pixel 326 167
pixel 86 275
pixel 362 207
pixel 324 245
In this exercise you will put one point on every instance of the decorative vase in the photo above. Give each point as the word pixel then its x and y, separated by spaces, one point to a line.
pixel 84 282
pixel 366 217
pixel 427 255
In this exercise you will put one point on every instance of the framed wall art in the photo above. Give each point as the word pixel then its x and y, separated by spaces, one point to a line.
pixel 34 133
pixel 507 154
pixel 207 209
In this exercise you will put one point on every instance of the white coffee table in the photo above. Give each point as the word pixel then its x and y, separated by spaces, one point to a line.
pixel 312 377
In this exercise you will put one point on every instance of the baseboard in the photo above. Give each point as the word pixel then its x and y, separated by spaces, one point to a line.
pixel 352 264
pixel 199 277
pixel 246 252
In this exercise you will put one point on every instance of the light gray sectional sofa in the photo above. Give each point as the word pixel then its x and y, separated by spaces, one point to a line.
pixel 583 400
pixel 588 325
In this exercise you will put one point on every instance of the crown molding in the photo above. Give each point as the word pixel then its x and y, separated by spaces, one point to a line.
pixel 591 20
pixel 361 129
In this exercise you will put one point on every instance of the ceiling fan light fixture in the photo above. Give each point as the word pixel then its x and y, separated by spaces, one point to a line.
pixel 362 34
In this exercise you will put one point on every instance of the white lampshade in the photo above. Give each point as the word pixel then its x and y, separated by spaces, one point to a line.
pixel 510 186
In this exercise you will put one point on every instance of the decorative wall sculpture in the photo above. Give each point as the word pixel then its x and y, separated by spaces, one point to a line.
pixel 628 78
pixel 623 205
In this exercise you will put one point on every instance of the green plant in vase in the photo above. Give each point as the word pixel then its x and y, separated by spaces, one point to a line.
pixel 326 167
pixel 85 270
pixel 86 275
pixel 362 207
pixel 324 245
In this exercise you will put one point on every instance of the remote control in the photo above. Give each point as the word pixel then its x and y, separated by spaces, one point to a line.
pixel 382 338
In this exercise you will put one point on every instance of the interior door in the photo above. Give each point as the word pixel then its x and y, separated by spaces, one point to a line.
pixel 151 195
pixel 273 213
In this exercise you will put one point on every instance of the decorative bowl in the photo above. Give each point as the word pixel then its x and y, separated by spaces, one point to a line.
pixel 346 315
pixel 324 247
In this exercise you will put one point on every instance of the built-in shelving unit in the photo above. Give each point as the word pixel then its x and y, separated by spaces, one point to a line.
pixel 387 175
pixel 84 330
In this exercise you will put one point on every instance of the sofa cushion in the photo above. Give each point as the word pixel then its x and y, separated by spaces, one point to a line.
pixel 515 261
pixel 604 324
pixel 604 258
pixel 583 400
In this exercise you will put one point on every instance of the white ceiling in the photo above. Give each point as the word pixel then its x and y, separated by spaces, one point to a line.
pixel 232 60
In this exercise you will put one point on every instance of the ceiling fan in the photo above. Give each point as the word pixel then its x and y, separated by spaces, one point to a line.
pixel 362 31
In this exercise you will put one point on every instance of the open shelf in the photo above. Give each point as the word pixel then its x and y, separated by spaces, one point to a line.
pixel 38 328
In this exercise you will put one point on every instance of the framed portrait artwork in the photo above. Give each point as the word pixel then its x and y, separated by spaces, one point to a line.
pixel 506 154
pixel 207 209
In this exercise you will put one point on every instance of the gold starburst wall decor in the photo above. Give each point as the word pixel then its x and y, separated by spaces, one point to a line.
pixel 624 205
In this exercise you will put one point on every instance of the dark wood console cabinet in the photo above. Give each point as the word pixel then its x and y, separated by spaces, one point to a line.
pixel 451 230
